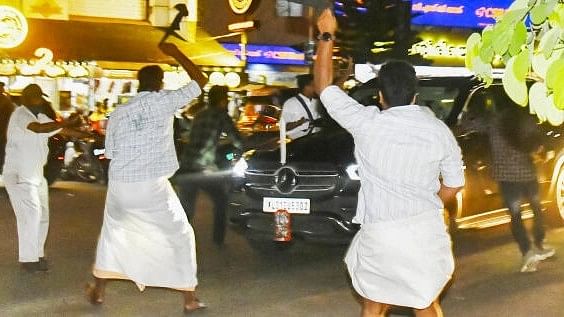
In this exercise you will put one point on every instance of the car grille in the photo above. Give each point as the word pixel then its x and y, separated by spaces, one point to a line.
pixel 290 182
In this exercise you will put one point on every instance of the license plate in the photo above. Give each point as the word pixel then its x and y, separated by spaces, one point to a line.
pixel 292 205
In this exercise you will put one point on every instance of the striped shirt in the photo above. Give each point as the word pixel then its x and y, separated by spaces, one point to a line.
pixel 401 152
pixel 139 137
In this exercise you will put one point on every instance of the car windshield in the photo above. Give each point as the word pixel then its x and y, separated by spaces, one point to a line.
pixel 440 99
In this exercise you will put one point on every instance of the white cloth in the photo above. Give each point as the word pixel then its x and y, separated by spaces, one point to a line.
pixel 402 254
pixel 293 111
pixel 26 155
pixel 31 206
pixel 26 151
pixel 139 136
pixel 146 237
pixel 406 262
pixel 401 152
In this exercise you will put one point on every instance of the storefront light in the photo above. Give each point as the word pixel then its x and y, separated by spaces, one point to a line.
pixel 217 78
pixel 14 27
pixel 232 80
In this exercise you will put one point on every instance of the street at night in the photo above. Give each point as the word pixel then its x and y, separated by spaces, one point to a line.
pixel 235 280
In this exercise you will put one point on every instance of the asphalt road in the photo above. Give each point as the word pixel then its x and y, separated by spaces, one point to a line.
pixel 235 280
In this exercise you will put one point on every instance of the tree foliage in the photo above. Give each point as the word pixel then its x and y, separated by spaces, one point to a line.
pixel 529 39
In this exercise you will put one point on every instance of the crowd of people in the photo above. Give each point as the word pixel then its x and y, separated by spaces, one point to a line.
pixel 409 165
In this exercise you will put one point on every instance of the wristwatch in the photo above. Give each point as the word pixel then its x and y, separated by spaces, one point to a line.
pixel 326 36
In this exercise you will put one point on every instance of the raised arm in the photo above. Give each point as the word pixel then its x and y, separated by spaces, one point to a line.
pixel 192 70
pixel 323 67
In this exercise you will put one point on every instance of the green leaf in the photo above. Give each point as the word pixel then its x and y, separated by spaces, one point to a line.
pixel 554 73
pixel 539 13
pixel 504 34
pixel 486 53
pixel 472 49
pixel 522 64
pixel 559 97
pixel 516 89
pixel 519 39
pixel 549 41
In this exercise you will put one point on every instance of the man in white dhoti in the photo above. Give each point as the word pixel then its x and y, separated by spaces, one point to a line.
pixel 402 254
pixel 146 237
pixel 28 133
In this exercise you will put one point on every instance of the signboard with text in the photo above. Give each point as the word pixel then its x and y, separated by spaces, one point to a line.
pixel 268 54
pixel 458 13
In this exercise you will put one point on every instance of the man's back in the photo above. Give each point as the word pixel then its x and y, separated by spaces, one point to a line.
pixel 401 153
pixel 139 137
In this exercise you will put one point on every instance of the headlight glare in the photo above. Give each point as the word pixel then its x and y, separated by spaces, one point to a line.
pixel 352 172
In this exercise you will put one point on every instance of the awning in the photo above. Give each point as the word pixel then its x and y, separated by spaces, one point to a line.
pixel 129 44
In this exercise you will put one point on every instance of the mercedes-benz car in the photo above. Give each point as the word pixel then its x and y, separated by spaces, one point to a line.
pixel 319 183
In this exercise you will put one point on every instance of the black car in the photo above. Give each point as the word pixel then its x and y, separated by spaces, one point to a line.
pixel 321 171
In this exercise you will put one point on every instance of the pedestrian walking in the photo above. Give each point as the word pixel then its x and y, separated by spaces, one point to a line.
pixel 402 254
pixel 145 235
pixel 202 165
pixel 513 136
pixel 27 148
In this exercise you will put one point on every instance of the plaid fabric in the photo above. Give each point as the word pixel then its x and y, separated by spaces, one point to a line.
pixel 207 128
pixel 139 136
pixel 509 164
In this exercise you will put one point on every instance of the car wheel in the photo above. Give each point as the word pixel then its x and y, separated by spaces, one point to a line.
pixel 559 192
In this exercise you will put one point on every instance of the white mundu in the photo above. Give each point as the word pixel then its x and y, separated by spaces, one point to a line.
pixel 26 155
pixel 402 254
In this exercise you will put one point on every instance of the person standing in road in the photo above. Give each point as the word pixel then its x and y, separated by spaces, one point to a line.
pixel 301 111
pixel 402 254
pixel 201 163
pixel 26 154
pixel 513 136
pixel 145 236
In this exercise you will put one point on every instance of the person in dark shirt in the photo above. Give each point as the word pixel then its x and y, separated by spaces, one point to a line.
pixel 201 161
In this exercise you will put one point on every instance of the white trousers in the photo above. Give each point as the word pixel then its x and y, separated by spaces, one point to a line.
pixel 30 202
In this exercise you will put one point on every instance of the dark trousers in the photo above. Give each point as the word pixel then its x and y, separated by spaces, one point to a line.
pixel 189 185
pixel 513 193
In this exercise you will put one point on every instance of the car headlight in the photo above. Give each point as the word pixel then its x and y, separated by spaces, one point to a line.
pixel 352 171
pixel 240 168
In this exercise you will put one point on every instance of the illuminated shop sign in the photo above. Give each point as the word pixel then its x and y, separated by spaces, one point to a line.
pixel 43 65
pixel 458 13
pixel 13 27
pixel 437 49
pixel 268 54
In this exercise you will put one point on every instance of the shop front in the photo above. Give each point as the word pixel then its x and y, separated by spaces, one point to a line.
pixel 80 63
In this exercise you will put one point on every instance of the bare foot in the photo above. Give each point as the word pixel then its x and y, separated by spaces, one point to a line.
pixel 194 306
pixel 93 295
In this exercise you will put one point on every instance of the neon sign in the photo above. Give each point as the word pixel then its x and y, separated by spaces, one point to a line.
pixel 13 27
pixel 434 49
pixel 268 54
pixel 458 13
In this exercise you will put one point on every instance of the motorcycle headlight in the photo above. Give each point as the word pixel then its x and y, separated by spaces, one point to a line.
pixel 240 168
pixel 352 172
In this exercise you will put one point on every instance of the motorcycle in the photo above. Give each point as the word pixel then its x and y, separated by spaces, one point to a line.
pixel 76 160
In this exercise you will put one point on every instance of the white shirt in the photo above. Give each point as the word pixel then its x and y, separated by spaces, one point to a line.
pixel 139 136
pixel 401 153
pixel 26 151
pixel 292 111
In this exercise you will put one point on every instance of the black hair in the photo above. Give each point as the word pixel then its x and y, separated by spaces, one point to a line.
pixel 304 80
pixel 216 95
pixel 150 78
pixel 397 82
